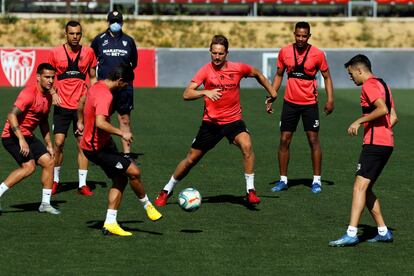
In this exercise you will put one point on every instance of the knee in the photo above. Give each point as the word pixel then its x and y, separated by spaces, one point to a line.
pixel 314 141
pixel 133 172
pixel 29 168
pixel 285 141
pixel 59 144
pixel 49 163
pixel 247 150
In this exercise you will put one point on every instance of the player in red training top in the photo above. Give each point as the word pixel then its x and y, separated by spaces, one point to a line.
pixel 72 62
pixel 378 118
pixel 100 149
pixel 302 62
pixel 31 109
pixel 222 115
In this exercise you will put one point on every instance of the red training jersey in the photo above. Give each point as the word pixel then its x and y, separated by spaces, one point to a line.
pixel 378 132
pixel 35 106
pixel 227 109
pixel 300 91
pixel 98 102
pixel 70 90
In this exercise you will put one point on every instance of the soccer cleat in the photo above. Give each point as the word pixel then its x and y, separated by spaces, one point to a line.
pixel 162 198
pixel 280 186
pixel 114 229
pixel 345 240
pixel 152 213
pixel 378 238
pixel 316 188
pixel 85 190
pixel 47 208
pixel 55 187
pixel 252 198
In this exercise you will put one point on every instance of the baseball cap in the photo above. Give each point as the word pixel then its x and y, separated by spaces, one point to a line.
pixel 114 16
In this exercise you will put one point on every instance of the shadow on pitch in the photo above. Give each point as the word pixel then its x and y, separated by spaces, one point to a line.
pixel 32 207
pixel 303 181
pixel 239 200
pixel 191 231
pixel 68 186
pixel 98 224
pixel 368 232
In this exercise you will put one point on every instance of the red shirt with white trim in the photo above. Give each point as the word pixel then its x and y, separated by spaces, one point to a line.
pixel 72 89
pixel 380 129
pixel 98 102
pixel 35 106
pixel 300 91
pixel 227 109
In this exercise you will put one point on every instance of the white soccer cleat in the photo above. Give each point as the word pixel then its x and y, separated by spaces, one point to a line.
pixel 47 208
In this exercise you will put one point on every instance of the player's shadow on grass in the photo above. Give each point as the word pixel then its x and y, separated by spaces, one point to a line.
pixel 368 232
pixel 98 224
pixel 240 200
pixel 68 186
pixel 32 207
pixel 303 181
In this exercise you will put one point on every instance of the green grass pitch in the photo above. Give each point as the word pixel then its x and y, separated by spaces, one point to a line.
pixel 287 234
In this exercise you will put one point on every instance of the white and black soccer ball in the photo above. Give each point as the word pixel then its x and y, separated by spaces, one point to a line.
pixel 189 199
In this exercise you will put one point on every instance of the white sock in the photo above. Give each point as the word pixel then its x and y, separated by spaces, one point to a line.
pixel 56 174
pixel 382 230
pixel 145 201
pixel 352 231
pixel 317 179
pixel 111 216
pixel 170 185
pixel 46 194
pixel 249 181
pixel 283 178
pixel 3 188
pixel 82 177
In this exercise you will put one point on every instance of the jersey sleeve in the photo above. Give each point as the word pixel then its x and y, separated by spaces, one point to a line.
pixel 279 63
pixel 25 100
pixel 372 91
pixel 134 54
pixel 103 105
pixel 94 46
pixel 323 66
pixel 200 76
pixel 245 69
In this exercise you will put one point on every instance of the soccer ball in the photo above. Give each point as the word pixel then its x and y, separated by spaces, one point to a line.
pixel 189 199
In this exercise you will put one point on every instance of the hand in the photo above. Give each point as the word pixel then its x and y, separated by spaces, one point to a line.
pixel 56 100
pixel 80 128
pixel 213 95
pixel 24 147
pixel 268 102
pixel 127 136
pixel 353 128
pixel 329 107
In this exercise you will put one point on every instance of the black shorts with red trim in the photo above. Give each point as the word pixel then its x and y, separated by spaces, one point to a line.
pixel 210 134
pixel 372 161
pixel 291 114
pixel 112 162
pixel 37 148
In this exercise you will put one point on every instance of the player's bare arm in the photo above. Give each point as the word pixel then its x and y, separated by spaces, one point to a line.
pixel 14 124
pixel 263 81
pixel 379 111
pixel 79 124
pixel 45 131
pixel 277 80
pixel 329 106
pixel 191 93
pixel 393 117
pixel 56 100
pixel 92 75
pixel 103 124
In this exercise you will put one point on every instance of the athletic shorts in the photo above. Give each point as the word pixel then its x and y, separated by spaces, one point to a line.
pixel 210 134
pixel 123 102
pixel 291 114
pixel 372 160
pixel 37 149
pixel 112 162
pixel 62 118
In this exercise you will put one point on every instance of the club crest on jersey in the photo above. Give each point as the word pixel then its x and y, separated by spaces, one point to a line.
pixel 124 42
pixel 17 66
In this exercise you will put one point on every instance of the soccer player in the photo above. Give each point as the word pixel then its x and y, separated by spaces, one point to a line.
pixel 114 47
pixel 31 109
pixel 302 62
pixel 100 149
pixel 378 118
pixel 72 62
pixel 222 115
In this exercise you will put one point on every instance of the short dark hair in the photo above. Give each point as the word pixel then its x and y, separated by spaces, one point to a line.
pixel 72 23
pixel 220 39
pixel 123 71
pixel 44 66
pixel 302 25
pixel 359 59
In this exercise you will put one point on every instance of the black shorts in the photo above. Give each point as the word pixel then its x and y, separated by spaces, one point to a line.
pixel 62 117
pixel 109 159
pixel 291 114
pixel 37 149
pixel 123 102
pixel 210 134
pixel 372 161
